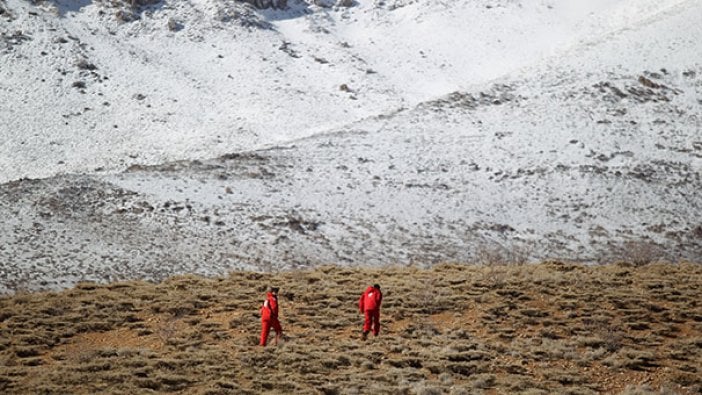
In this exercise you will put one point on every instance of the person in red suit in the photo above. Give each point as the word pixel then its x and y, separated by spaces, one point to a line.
pixel 369 304
pixel 269 317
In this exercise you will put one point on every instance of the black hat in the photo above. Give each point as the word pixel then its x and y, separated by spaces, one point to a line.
pixel 376 286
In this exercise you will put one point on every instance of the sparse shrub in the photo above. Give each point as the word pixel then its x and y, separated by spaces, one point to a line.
pixel 147 383
pixel 533 313
pixel 499 255
pixel 27 352
pixel 445 378
pixel 172 382
pixel 330 390
pixel 425 389
pixel 687 379
pixel 167 331
pixel 631 359
pixel 639 390
pixel 463 369
pixel 368 365
pixel 352 390
pixel 483 381
pixel 5 314
pixel 639 253
pixel 567 378
pixel 592 342
pixel 461 391
pixel 94 367
pixel 532 391
pixel 95 326
pixel 579 390
pixel 592 355
pixel 32 362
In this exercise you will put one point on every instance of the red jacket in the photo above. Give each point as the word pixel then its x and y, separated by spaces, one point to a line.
pixel 370 300
pixel 269 309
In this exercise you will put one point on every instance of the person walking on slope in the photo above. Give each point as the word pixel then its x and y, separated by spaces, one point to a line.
pixel 369 304
pixel 269 317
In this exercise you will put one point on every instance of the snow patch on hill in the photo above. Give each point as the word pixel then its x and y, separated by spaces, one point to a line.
pixel 387 132
pixel 84 90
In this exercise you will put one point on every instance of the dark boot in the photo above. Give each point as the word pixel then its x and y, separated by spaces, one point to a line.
pixel 364 336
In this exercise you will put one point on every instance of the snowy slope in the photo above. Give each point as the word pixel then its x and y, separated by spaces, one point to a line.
pixel 468 128
pixel 216 86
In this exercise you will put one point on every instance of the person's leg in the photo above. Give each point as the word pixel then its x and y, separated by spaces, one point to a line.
pixel 265 330
pixel 367 323
pixel 376 322
pixel 278 329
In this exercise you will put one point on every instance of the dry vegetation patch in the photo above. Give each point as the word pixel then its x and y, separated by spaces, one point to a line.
pixel 454 329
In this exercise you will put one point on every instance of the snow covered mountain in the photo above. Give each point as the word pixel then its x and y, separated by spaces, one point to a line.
pixel 383 132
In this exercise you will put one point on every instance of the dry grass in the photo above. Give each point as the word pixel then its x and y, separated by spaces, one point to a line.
pixel 530 329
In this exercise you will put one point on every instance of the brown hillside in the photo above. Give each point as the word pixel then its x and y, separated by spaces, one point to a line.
pixel 534 329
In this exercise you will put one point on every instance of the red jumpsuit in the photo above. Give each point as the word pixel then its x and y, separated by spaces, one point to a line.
pixel 269 318
pixel 369 304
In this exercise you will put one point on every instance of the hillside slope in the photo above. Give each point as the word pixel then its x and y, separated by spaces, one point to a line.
pixel 96 84
pixel 550 328
pixel 387 132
